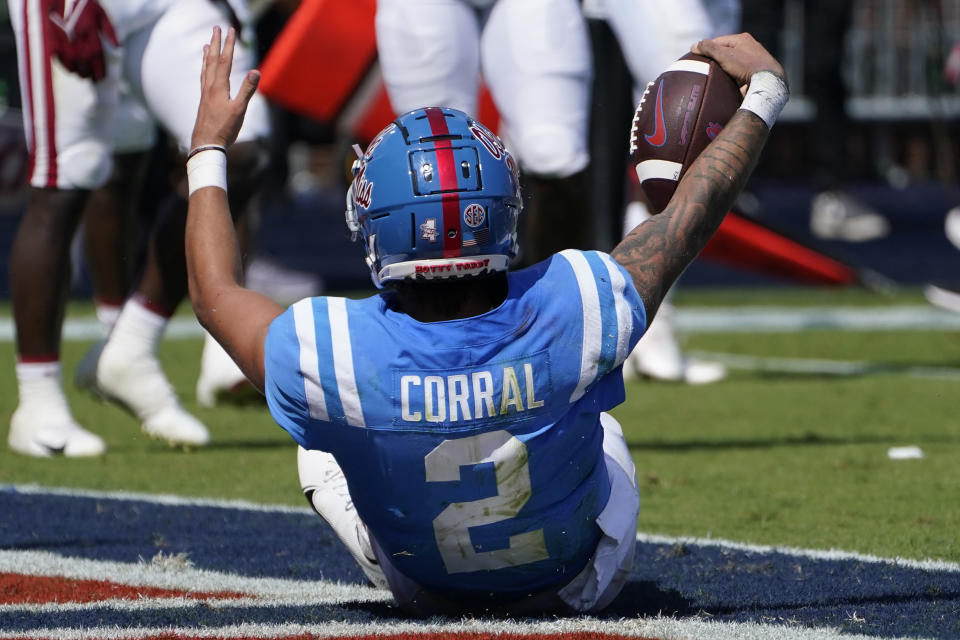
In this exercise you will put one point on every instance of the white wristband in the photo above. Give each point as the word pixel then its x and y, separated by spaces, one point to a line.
pixel 207 168
pixel 766 96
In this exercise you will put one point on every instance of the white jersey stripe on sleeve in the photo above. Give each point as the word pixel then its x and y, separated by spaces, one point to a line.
pixel 309 362
pixel 624 317
pixel 592 321
pixel 343 362
pixel 38 72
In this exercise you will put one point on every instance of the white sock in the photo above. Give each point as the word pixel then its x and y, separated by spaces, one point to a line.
pixel 138 330
pixel 39 383
pixel 107 314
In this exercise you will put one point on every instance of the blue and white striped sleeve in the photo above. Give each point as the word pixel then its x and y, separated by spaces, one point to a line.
pixel 310 378
pixel 292 373
pixel 613 315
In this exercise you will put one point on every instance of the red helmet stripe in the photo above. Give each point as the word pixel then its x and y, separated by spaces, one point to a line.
pixel 447 172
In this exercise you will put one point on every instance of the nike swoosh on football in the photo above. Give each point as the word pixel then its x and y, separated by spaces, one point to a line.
pixel 659 135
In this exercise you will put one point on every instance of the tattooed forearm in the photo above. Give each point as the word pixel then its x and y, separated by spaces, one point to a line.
pixel 656 252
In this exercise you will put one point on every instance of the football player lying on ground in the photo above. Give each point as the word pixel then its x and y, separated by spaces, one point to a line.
pixel 464 406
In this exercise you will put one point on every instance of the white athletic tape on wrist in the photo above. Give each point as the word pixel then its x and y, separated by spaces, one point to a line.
pixel 766 96
pixel 207 168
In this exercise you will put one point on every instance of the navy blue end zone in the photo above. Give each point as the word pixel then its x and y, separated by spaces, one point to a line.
pixel 714 582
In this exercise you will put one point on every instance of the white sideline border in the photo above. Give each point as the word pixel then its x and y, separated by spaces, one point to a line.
pixel 661 627
pixel 928 564
pixel 278 592
pixel 749 319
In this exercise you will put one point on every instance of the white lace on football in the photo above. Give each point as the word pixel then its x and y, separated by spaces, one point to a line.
pixel 634 133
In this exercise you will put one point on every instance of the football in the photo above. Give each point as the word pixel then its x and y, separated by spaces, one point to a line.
pixel 680 113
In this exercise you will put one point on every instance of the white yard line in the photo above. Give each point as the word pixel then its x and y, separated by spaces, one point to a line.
pixel 662 627
pixel 242 505
pixel 817 366
pixel 784 319
pixel 688 319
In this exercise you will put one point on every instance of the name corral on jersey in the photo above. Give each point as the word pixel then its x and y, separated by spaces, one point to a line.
pixel 473 394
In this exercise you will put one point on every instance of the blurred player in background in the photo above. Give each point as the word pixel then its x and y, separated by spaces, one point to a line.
pixel 72 57
pixel 534 57
pixel 452 429
pixel 835 213
pixel 652 35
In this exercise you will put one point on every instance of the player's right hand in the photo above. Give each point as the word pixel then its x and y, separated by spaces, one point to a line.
pixel 77 36
pixel 739 55
pixel 219 117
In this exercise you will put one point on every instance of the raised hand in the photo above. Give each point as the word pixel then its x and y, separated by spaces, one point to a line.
pixel 219 117
pixel 739 55
pixel 77 36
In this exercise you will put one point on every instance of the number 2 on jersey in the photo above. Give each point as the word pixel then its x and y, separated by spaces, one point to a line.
pixel 452 527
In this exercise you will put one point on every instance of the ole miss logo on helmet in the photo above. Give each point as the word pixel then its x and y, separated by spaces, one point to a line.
pixel 659 135
pixel 488 139
pixel 362 188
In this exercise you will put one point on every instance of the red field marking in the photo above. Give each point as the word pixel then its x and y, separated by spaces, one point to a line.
pixel 178 636
pixel 20 589
pixel 492 635
pixel 476 635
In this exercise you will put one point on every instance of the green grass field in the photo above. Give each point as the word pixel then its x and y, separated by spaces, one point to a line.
pixel 765 457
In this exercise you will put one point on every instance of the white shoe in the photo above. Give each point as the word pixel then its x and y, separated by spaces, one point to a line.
pixel 137 383
pixel 325 487
pixel 942 297
pixel 836 215
pixel 219 374
pixel 951 226
pixel 658 356
pixel 43 432
pixel 703 372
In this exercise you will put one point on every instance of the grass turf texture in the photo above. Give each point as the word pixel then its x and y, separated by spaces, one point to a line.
pixel 790 459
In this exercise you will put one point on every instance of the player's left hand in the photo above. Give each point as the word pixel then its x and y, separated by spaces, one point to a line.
pixel 219 117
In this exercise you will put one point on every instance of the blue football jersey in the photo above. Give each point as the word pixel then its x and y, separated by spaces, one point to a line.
pixel 472 447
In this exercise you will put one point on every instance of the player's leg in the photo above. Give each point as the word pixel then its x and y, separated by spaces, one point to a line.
pixel 654 33
pixel 835 212
pixel 537 63
pixel 429 53
pixel 112 215
pixel 188 22
pixel 158 59
pixel 325 488
pixel 598 584
pixel 65 121
pixel 668 28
